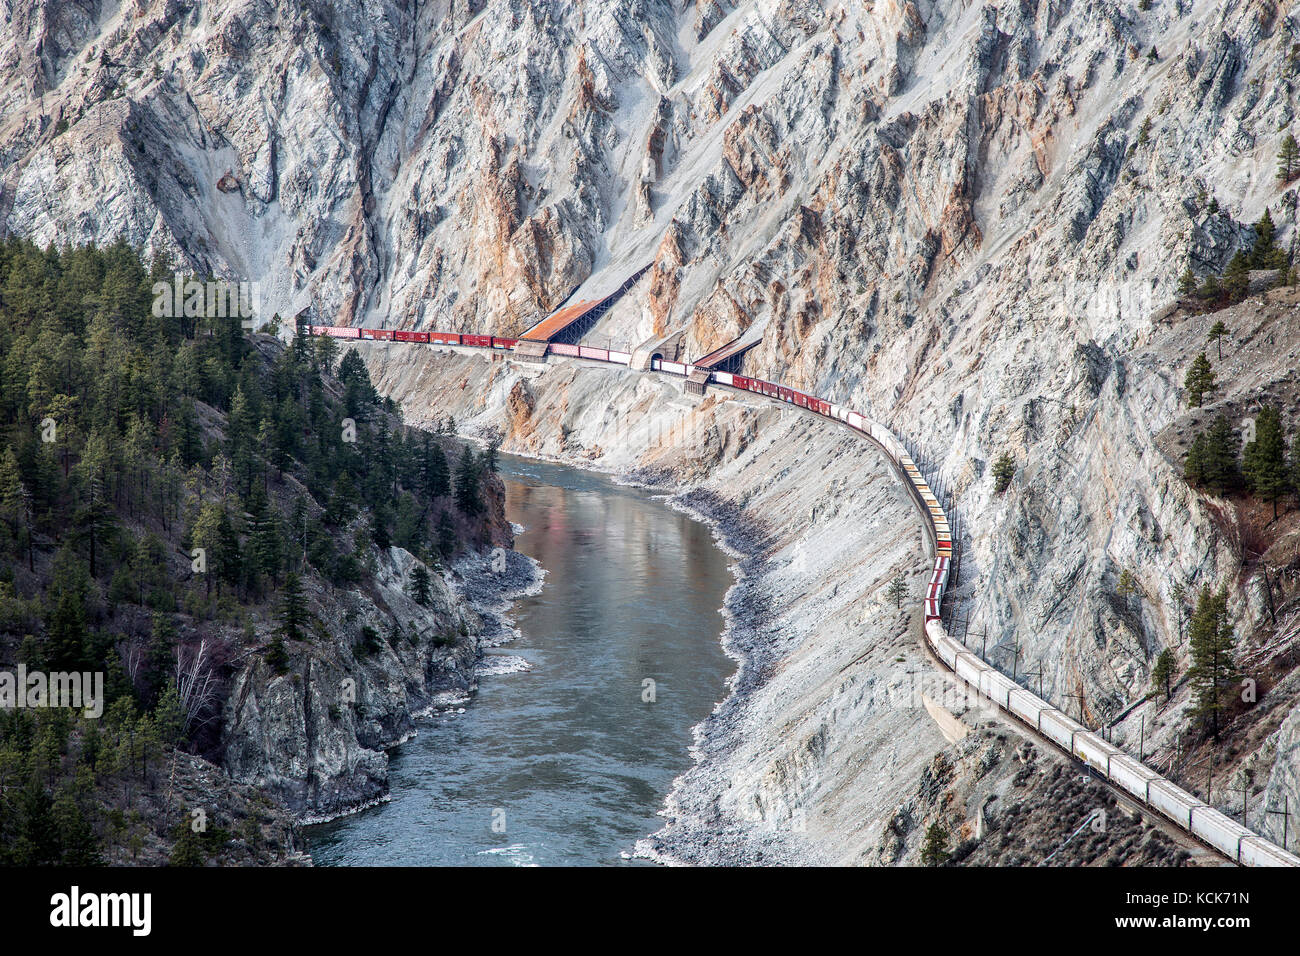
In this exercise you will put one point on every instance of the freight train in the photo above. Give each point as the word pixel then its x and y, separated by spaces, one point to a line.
pixel 1122 770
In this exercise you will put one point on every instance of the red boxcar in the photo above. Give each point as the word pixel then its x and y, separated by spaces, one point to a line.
pixel 444 338
pixel 504 343
pixel 337 331
pixel 382 335
pixel 401 335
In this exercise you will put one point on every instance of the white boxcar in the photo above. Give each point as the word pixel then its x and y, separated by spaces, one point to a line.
pixel 1217 830
pixel 1131 775
pixel 1055 726
pixel 1173 802
pixel 1093 751
pixel 997 687
pixel 1256 851
pixel 1025 706
pixel 969 668
pixel 944 646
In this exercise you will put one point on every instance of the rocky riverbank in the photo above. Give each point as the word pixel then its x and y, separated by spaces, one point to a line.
pixel 823 750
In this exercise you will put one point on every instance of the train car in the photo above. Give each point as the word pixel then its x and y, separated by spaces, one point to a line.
pixel 1221 832
pixel 997 687
pixel 1093 751
pixel 1215 828
pixel 969 667
pixel 943 645
pixel 1254 850
pixel 939 575
pixel 1131 775
pixel 337 331
pixel 1056 727
pixel 1025 706
pixel 1174 802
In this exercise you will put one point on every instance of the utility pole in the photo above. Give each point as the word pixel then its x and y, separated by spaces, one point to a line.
pixel 1244 791
pixel 1286 818
pixel 1079 698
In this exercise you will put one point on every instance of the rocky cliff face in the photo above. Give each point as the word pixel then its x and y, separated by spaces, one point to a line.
pixel 317 736
pixel 961 217
pixel 826 748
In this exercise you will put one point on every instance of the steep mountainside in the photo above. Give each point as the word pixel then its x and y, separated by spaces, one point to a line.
pixel 965 218
pixel 252 553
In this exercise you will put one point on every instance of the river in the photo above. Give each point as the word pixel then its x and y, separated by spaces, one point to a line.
pixel 569 761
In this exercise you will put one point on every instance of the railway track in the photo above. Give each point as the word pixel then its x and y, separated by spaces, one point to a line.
pixel 1123 773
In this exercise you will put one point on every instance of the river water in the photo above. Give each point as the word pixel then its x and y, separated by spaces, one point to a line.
pixel 566 762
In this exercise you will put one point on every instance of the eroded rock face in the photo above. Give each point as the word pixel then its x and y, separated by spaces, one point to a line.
pixel 826 738
pixel 317 736
pixel 958 217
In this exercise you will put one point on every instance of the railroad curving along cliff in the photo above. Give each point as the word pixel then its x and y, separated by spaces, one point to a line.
pixel 822 752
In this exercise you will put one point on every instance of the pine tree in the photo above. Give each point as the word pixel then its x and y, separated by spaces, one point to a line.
pixel 187 850
pixel 898 589
pixel 11 487
pixel 1194 468
pixel 1127 586
pixel 1187 283
pixel 1220 467
pixel 293 609
pixel 327 351
pixel 1265 254
pixel 494 440
pixel 935 850
pixel 1179 593
pixel 1213 669
pixel 1211 288
pixel 1216 334
pixel 276 657
pixel 1199 382
pixel 1236 278
pixel 1264 461
pixel 264 534
pixel 1004 469
pixel 1162 675
pixel 1288 159
pixel 446 535
pixel 467 484
pixel 435 477
pixel 420 585
pixel 1295 463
